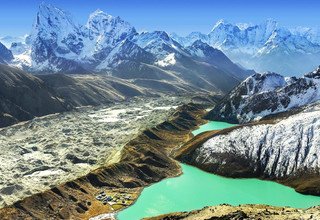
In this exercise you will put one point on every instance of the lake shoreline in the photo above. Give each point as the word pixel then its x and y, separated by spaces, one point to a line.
pixel 170 190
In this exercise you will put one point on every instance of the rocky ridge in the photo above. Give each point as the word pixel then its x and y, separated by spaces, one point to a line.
pixel 224 212
pixel 283 148
pixel 264 94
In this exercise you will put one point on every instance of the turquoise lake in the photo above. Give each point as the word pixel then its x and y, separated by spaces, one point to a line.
pixel 212 125
pixel 195 189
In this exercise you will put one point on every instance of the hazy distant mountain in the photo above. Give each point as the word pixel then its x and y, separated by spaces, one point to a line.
pixel 8 40
pixel 263 47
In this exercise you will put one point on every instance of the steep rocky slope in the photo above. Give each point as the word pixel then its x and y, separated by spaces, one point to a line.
pixel 283 148
pixel 83 90
pixel 24 96
pixel 143 161
pixel 264 94
pixel 5 54
pixel 224 212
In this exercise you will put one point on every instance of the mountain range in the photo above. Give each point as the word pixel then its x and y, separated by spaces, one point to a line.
pixel 110 45
pixel 263 47
pixel 106 43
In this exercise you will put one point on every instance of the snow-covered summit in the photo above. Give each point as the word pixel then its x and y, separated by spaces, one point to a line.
pixel 264 94
pixel 106 29
pixel 263 47
pixel 51 21
pixel 158 43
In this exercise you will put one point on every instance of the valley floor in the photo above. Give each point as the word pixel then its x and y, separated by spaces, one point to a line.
pixel 42 153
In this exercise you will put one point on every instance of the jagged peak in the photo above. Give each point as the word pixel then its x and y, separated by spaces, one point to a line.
pixel 315 74
pixel 199 43
pixel 244 26
pixel 50 16
pixel 266 74
pixel 101 22
pixel 98 14
pixel 48 10
pixel 270 24
pixel 157 34
pixel 222 23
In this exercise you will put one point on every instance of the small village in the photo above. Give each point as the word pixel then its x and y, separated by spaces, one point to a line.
pixel 116 199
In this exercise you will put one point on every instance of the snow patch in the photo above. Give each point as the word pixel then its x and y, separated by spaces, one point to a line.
pixel 167 61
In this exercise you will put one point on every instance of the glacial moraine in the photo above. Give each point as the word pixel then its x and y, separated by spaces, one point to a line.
pixel 47 151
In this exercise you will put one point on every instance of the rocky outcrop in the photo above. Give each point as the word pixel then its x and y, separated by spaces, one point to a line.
pixel 144 160
pixel 5 54
pixel 227 212
pixel 264 94
pixel 284 149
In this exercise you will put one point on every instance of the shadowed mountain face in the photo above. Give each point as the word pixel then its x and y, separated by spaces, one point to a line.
pixel 24 96
pixel 5 54
pixel 91 90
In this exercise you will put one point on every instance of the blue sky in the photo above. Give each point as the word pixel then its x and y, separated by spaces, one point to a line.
pixel 180 16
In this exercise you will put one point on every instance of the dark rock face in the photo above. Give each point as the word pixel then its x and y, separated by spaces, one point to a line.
pixel 44 51
pixel 204 52
pixel 315 74
pixel 24 96
pixel 264 94
pixel 5 54
pixel 93 90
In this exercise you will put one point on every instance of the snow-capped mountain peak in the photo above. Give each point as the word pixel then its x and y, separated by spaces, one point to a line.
pixel 220 23
pixel 263 47
pixel 102 24
pixel 51 20
pixel 158 43
pixel 264 94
